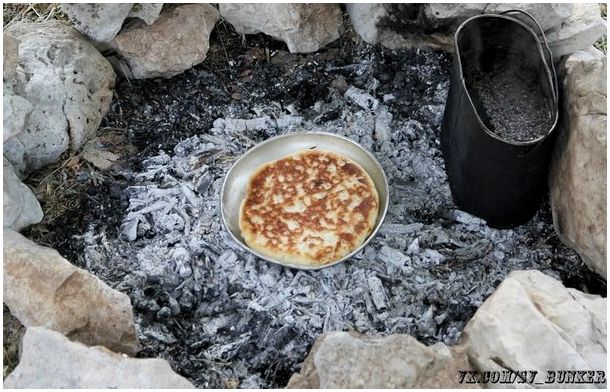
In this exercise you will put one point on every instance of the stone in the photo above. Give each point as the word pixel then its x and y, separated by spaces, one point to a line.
pixel 148 12
pixel 579 31
pixel 452 12
pixel 50 360
pixel 99 21
pixel 68 83
pixel 351 360
pixel 404 25
pixel 175 42
pixel 533 322
pixel 42 289
pixel 364 18
pixel 10 59
pixel 577 177
pixel 16 109
pixel 305 28
pixel 568 27
pixel 548 15
pixel 20 207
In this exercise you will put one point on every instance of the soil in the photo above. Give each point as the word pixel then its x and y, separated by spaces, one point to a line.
pixel 170 120
pixel 508 96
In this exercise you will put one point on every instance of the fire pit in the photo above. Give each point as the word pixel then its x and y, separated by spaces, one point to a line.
pixel 151 226
pixel 223 317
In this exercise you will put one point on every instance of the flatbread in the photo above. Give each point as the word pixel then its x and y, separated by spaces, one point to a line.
pixel 309 208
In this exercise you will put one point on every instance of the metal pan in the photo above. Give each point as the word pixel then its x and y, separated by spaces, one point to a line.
pixel 236 181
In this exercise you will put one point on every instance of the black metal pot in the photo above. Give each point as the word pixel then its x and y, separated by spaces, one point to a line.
pixel 499 180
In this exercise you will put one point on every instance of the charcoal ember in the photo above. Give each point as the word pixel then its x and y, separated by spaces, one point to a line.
pixel 164 313
pixel 252 382
pixel 147 305
pixel 362 98
pixel 377 292
pixel 383 130
pixel 187 300
pixel 160 334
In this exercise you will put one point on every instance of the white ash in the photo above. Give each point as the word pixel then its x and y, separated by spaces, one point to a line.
pixel 200 298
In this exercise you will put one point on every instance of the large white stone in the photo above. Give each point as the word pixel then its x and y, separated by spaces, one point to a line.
pixel 577 179
pixel 50 360
pixel 364 18
pixel 175 42
pixel 41 288
pixel 68 83
pixel 15 108
pixel 148 12
pixel 569 27
pixel 351 360
pixel 99 21
pixel 548 15
pixel 533 322
pixel 16 111
pixel 303 27
pixel 579 31
pixel 453 11
pixel 10 59
pixel 20 206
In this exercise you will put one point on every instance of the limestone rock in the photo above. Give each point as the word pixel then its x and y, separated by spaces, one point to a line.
pixel 50 360
pixel 304 28
pixel 364 18
pixel 41 288
pixel 20 206
pixel 569 27
pixel 351 360
pixel 533 322
pixel 68 83
pixel 432 25
pixel 548 15
pixel 577 178
pixel 99 21
pixel 579 31
pixel 15 108
pixel 16 111
pixel 175 42
pixel 454 12
pixel 10 60
pixel 148 12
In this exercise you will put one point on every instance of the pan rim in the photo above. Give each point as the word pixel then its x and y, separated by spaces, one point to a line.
pixel 376 228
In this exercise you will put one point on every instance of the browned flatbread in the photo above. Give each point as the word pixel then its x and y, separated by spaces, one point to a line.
pixel 309 208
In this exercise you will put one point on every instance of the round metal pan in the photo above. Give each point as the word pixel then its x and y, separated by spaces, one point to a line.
pixel 236 181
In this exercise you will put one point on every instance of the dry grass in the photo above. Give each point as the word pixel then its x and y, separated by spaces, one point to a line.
pixel 58 186
pixel 32 12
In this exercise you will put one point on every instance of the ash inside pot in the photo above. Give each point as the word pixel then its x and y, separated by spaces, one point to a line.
pixel 220 316
pixel 508 95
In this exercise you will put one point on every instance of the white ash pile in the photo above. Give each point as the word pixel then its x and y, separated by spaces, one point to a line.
pixel 225 318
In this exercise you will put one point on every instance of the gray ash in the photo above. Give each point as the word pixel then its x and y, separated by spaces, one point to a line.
pixel 224 318
pixel 508 95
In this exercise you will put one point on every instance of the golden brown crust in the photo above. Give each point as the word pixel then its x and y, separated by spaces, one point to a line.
pixel 310 208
